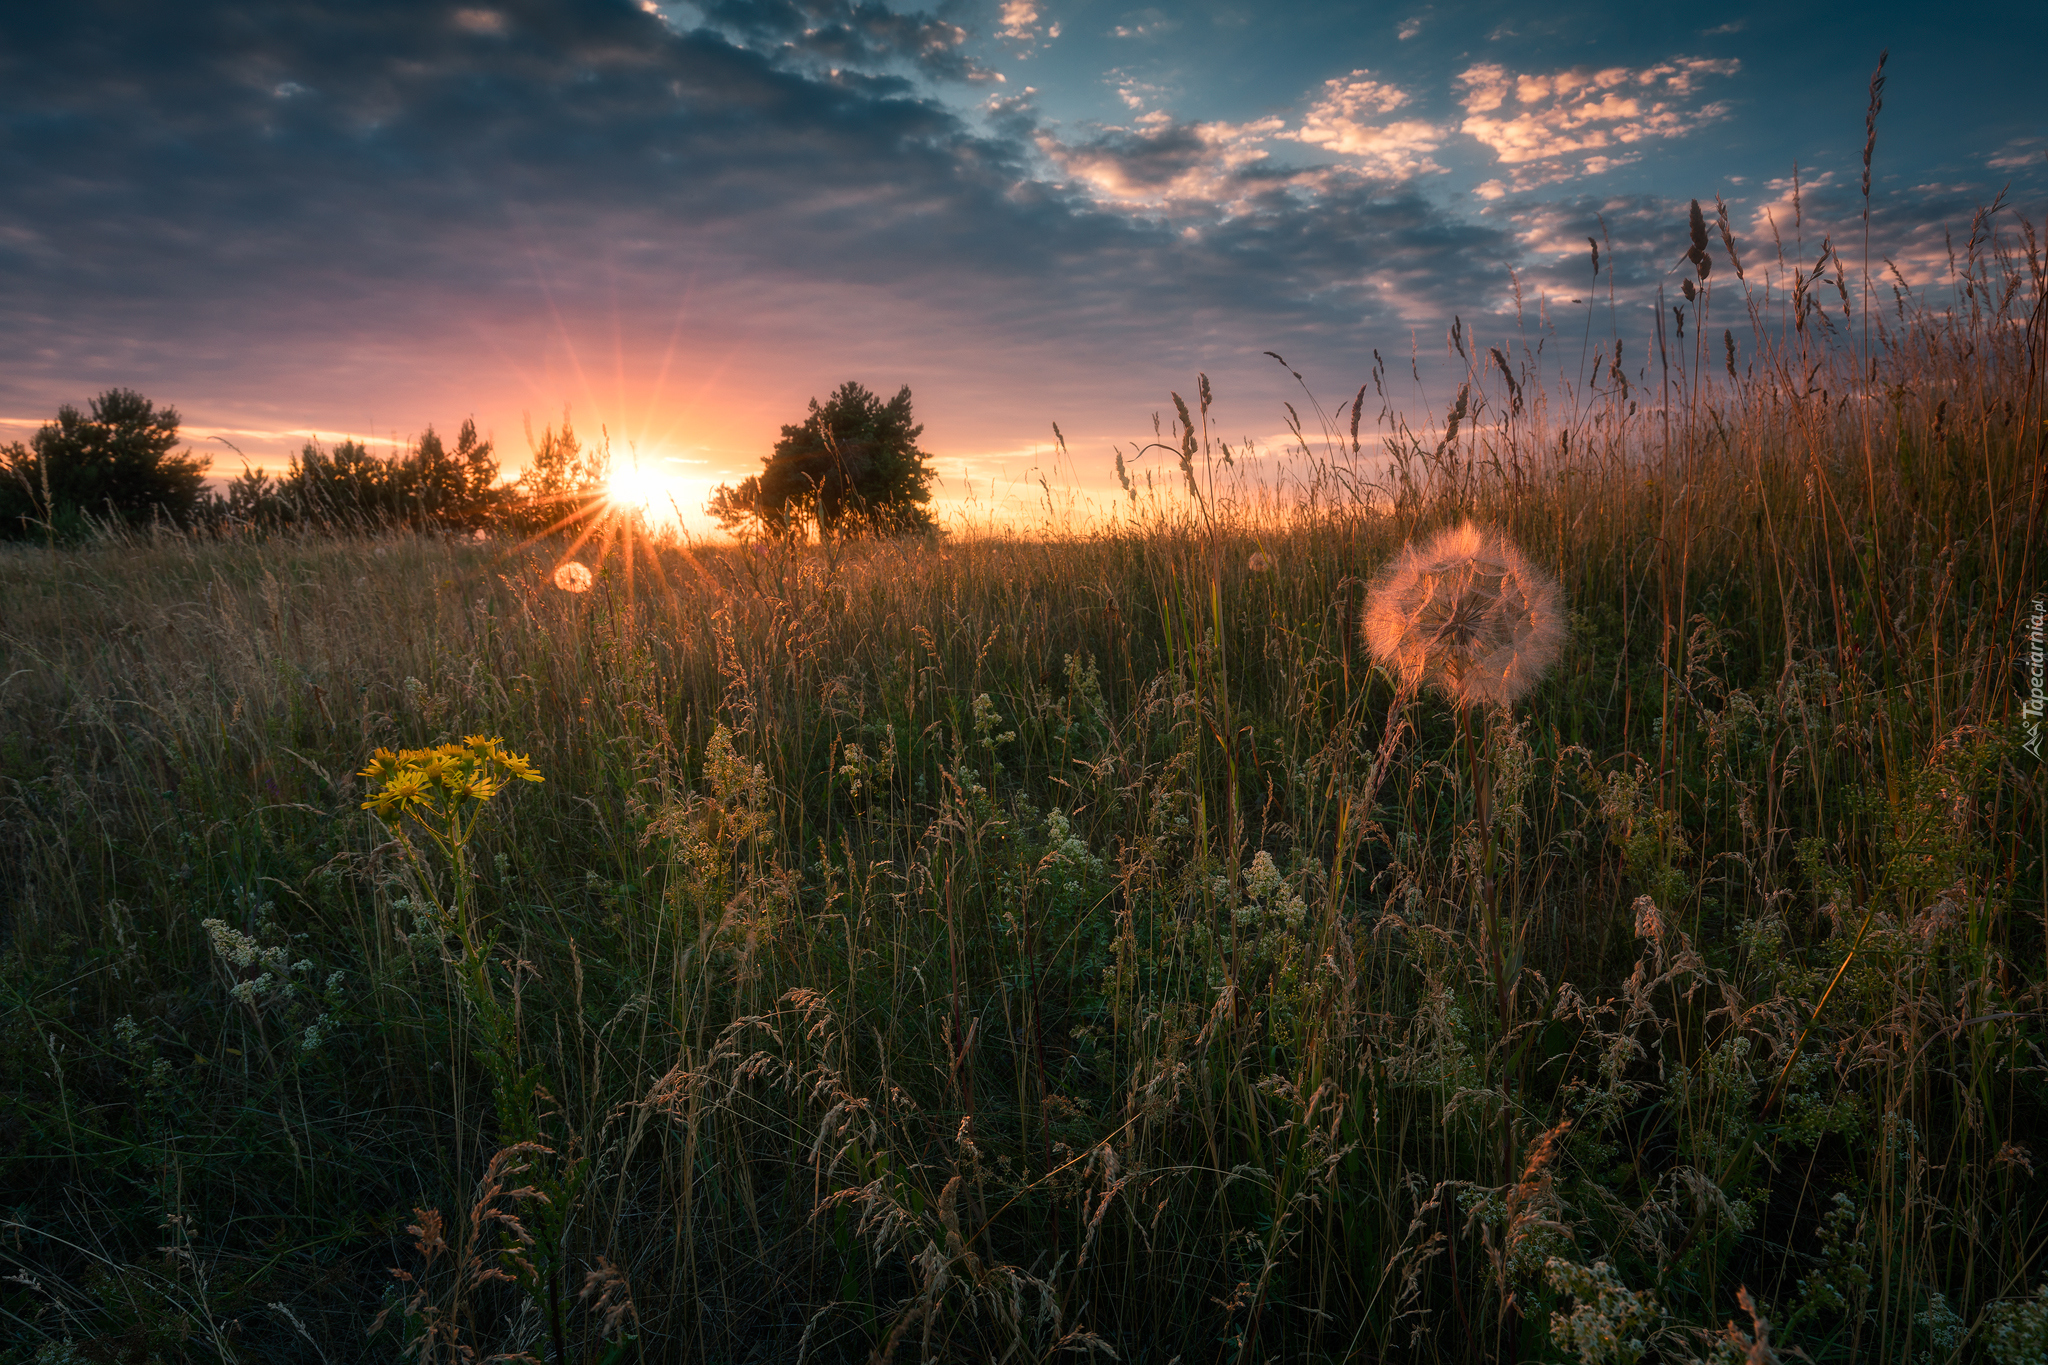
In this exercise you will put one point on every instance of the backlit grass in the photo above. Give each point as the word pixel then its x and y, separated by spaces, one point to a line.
pixel 1074 944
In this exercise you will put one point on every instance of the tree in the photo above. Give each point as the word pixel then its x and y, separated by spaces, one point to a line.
pixel 345 486
pixel 562 481
pixel 115 459
pixel 429 486
pixel 442 487
pixel 853 464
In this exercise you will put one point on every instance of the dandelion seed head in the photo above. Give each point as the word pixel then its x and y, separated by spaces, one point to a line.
pixel 1260 562
pixel 572 577
pixel 1467 613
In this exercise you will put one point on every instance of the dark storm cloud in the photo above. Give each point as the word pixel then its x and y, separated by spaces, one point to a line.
pixel 372 137
pixel 254 180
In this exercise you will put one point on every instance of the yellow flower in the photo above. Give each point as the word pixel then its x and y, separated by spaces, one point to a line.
pixel 434 764
pixel 401 791
pixel 432 784
pixel 515 765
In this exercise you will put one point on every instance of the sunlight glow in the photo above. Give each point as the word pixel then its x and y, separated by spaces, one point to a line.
pixel 664 492
pixel 638 487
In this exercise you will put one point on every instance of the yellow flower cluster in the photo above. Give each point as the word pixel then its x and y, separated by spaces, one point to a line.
pixel 439 783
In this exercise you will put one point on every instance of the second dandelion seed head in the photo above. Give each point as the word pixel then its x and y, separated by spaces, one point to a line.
pixel 1467 613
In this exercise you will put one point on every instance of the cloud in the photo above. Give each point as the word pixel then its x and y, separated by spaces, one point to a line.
pixel 1146 23
pixel 1913 229
pixel 1553 127
pixel 1409 28
pixel 435 203
pixel 1163 161
pixel 1640 236
pixel 843 34
pixel 478 21
pixel 1022 22
pixel 1019 19
pixel 1348 120
pixel 1135 94
pixel 1218 166
pixel 1776 236
pixel 2021 153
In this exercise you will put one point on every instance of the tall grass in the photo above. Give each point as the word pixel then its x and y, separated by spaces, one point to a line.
pixel 1000 948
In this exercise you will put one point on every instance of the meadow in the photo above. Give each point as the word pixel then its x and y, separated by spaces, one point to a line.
pixel 1009 947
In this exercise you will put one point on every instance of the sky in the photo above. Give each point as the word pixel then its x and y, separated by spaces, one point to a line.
pixel 678 222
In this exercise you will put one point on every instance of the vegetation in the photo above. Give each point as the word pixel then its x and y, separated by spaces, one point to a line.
pixel 1076 945
pixel 427 487
pixel 564 482
pixel 852 466
pixel 115 467
pixel 115 460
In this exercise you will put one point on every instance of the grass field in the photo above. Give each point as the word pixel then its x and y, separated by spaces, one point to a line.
pixel 1073 945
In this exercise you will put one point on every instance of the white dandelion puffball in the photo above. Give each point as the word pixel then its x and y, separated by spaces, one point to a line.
pixel 1260 562
pixel 1468 614
pixel 572 577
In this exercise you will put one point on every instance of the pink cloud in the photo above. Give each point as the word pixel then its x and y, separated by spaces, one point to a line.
pixel 1555 126
pixel 1349 120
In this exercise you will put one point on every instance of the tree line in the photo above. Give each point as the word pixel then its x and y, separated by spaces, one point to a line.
pixel 116 463
pixel 852 467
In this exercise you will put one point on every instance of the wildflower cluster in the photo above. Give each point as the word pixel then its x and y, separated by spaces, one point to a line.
pixel 986 719
pixel 1610 1323
pixel 280 987
pixel 2016 1330
pixel 241 951
pixel 442 785
pixel 1269 920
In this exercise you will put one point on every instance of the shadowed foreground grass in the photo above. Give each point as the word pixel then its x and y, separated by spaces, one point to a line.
pixel 995 949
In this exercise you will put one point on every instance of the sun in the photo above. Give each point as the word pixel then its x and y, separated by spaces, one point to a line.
pixel 637 488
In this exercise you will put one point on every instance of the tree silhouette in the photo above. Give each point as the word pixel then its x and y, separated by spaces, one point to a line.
pixel 347 487
pixel 340 486
pixel 564 480
pixel 437 486
pixel 113 460
pixel 853 465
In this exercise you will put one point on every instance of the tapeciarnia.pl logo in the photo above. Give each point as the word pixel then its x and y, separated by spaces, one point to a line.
pixel 2036 658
